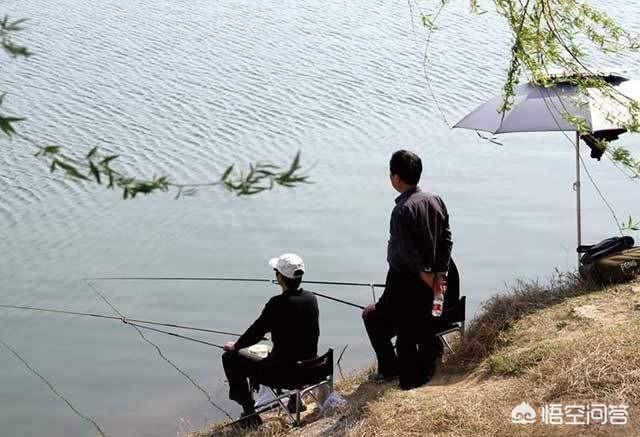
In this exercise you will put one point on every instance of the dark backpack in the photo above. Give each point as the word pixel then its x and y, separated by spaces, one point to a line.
pixel 611 261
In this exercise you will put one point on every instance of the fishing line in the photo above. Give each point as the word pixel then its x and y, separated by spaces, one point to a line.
pixel 425 62
pixel 342 353
pixel 133 322
pixel 207 278
pixel 583 164
pixel 157 348
pixel 340 359
pixel 104 316
pixel 172 334
pixel 52 388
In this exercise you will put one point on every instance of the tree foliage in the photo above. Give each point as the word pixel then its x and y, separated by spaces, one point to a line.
pixel 7 30
pixel 553 41
pixel 559 35
pixel 100 168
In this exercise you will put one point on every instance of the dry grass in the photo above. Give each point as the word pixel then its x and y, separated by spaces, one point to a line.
pixel 547 356
pixel 492 329
pixel 562 342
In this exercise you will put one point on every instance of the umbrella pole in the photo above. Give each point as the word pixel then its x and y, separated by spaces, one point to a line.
pixel 576 187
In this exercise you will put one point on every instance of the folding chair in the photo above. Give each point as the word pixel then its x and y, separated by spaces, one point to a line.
pixel 307 376
pixel 452 320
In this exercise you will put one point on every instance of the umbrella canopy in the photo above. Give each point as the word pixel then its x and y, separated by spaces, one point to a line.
pixel 540 109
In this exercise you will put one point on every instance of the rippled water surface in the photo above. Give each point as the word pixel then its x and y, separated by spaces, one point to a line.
pixel 185 89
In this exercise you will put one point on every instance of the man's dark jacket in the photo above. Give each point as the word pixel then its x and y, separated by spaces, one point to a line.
pixel 292 320
pixel 419 240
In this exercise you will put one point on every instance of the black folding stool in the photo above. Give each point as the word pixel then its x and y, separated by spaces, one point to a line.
pixel 307 376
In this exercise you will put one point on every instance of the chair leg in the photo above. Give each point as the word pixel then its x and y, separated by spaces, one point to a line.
pixel 277 393
pixel 286 410
pixel 446 344
pixel 324 390
pixel 298 396
pixel 278 399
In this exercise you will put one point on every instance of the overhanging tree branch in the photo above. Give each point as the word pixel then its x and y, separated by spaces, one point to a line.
pixel 97 167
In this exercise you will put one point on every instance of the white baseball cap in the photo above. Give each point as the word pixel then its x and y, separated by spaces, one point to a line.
pixel 288 264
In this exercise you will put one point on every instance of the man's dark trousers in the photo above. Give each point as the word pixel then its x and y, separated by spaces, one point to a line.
pixel 404 310
pixel 241 368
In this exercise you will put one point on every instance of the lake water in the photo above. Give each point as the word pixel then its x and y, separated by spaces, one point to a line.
pixel 187 88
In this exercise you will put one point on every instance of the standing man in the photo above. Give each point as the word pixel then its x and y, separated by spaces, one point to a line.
pixel 292 320
pixel 418 254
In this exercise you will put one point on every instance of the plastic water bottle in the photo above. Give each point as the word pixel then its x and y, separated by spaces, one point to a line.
pixel 438 297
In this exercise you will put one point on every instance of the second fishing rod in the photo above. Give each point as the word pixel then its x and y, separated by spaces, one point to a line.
pixel 371 285
pixel 144 323
pixel 227 279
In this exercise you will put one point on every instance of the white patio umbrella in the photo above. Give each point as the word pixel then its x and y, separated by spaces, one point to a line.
pixel 541 109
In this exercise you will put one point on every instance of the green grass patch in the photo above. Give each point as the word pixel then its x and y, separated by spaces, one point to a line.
pixel 515 362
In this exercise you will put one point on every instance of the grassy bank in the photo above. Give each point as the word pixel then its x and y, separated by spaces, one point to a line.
pixel 563 342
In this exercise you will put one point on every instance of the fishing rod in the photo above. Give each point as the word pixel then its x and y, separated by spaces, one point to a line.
pixel 136 322
pixel 129 322
pixel 125 320
pixel 215 278
pixel 272 281
pixel 338 300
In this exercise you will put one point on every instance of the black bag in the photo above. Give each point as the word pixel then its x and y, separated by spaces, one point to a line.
pixel 604 248
pixel 611 261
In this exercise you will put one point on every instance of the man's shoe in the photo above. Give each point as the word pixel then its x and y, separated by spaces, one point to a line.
pixel 249 421
pixel 421 380
pixel 431 371
pixel 291 405
pixel 410 386
pixel 381 378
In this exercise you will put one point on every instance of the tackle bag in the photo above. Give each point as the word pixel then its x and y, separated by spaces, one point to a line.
pixel 611 261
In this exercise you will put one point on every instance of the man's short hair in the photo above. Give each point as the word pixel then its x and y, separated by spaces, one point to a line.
pixel 292 283
pixel 407 165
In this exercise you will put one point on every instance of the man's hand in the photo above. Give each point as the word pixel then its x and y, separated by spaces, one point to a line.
pixel 229 346
pixel 441 279
pixel 368 309
pixel 428 278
